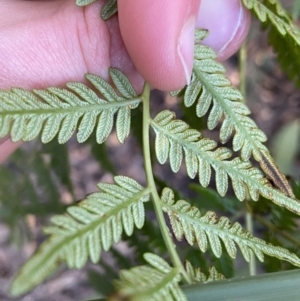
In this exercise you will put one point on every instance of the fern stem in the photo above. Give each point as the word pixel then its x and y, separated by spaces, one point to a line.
pixel 242 67
pixel 151 185
pixel 242 88
pixel 250 228
pixel 68 109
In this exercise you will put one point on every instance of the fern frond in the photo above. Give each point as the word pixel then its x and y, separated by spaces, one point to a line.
pixel 24 115
pixel 186 221
pixel 284 36
pixel 175 140
pixel 88 228
pixel 156 281
pixel 210 88
pixel 109 9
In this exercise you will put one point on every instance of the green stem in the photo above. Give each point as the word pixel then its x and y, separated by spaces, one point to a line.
pixel 242 87
pixel 151 185
pixel 243 66
pixel 250 228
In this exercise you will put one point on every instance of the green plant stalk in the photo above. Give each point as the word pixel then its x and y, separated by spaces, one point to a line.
pixel 242 69
pixel 242 87
pixel 250 228
pixel 176 261
pixel 273 286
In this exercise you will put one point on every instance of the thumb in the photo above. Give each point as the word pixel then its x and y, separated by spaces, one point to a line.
pixel 159 37
pixel 228 22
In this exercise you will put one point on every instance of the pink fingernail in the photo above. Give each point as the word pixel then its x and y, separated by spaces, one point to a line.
pixel 186 47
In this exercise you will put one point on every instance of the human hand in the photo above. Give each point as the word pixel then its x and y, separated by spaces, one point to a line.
pixel 50 42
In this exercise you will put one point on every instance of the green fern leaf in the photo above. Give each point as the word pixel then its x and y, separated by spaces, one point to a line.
pixel 210 88
pixel 109 9
pixel 201 35
pixel 123 123
pixel 90 227
pixel 156 281
pixel 123 84
pixel 24 115
pixel 214 89
pixel 208 229
pixel 197 276
pixel 201 156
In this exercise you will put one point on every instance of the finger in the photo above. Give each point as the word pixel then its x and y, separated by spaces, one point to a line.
pixel 53 47
pixel 21 11
pixel 228 22
pixel 48 43
pixel 159 36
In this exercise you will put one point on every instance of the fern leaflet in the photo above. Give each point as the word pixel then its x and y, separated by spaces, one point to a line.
pixel 109 9
pixel 88 228
pixel 209 87
pixel 156 281
pixel 175 140
pixel 24 115
pixel 197 276
pixel 186 221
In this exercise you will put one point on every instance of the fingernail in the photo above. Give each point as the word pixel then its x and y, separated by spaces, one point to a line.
pixel 186 47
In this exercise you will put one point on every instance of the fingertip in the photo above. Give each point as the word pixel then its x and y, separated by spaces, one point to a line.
pixel 154 36
pixel 228 22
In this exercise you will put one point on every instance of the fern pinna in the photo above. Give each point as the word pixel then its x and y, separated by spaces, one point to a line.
pixel 25 115
pixel 93 225
pixel 88 228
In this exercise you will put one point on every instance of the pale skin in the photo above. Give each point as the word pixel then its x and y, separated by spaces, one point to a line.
pixel 50 42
